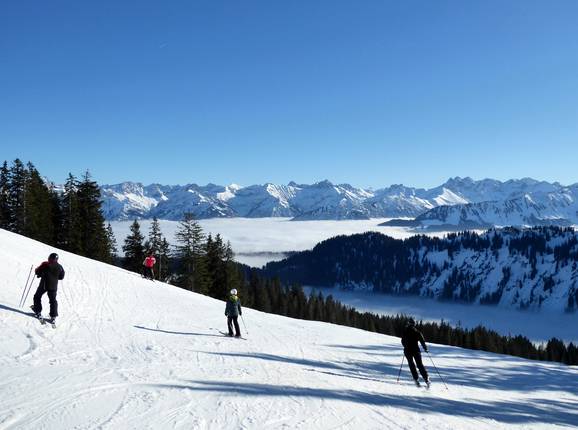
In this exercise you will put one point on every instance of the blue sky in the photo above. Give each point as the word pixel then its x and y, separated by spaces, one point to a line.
pixel 370 93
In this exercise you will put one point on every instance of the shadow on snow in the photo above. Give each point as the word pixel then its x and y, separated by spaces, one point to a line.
pixel 536 410
pixel 182 333
pixel 499 371
pixel 17 311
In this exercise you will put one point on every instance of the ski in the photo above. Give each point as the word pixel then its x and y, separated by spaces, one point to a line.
pixel 228 335
pixel 44 321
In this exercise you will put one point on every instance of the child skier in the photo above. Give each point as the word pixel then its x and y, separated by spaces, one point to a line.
pixel 49 272
pixel 409 340
pixel 232 311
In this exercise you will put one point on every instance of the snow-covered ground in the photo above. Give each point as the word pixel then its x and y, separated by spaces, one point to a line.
pixel 538 326
pixel 257 241
pixel 132 354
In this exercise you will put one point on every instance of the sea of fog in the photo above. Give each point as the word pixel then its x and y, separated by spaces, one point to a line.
pixel 539 326
pixel 257 241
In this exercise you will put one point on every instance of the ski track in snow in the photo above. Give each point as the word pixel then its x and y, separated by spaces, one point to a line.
pixel 132 354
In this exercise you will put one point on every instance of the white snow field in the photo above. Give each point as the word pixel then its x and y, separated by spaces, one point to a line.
pixel 132 354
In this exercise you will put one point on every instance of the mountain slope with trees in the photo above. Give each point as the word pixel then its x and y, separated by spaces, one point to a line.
pixel 531 268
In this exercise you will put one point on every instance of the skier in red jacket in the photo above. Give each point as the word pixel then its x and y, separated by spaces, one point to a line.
pixel 148 264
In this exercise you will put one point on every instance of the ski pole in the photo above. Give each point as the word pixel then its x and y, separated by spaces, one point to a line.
pixel 28 292
pixel 434 365
pixel 244 325
pixel 26 286
pixel 401 365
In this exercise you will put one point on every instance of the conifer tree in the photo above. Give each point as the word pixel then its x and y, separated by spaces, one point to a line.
pixel 57 217
pixel 190 252
pixel 133 249
pixel 212 263
pixel 216 267
pixel 5 216
pixel 38 223
pixel 158 245
pixel 70 237
pixel 164 260
pixel 111 243
pixel 93 231
pixel 17 197
pixel 155 237
pixel 233 278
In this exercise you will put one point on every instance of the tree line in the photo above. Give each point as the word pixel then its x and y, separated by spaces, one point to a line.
pixel 70 219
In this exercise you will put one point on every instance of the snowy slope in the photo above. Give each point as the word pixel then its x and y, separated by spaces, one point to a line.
pixel 131 354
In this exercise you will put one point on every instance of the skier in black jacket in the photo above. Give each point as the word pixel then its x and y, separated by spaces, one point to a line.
pixel 409 340
pixel 49 272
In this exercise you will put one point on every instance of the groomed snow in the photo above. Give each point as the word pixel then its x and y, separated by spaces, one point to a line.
pixel 131 354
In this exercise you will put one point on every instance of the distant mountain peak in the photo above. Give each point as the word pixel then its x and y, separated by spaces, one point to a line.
pixel 481 202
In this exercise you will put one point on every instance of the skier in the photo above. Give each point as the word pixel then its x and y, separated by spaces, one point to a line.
pixel 409 340
pixel 232 311
pixel 148 264
pixel 49 272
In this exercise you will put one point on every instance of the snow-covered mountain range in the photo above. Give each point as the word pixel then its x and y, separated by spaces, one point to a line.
pixel 459 202
pixel 557 207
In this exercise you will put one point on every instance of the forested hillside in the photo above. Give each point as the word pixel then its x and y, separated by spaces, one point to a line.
pixel 532 268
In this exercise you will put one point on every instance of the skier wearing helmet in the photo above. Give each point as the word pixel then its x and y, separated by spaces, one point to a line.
pixel 49 272
pixel 232 311
pixel 410 339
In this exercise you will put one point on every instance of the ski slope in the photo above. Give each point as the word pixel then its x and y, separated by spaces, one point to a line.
pixel 132 354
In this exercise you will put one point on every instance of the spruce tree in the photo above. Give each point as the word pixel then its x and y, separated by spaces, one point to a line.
pixel 133 248
pixel 232 278
pixel 70 237
pixel 94 237
pixel 190 252
pixel 215 268
pixel 17 178
pixel 5 216
pixel 57 215
pixel 155 237
pixel 38 223
pixel 111 243
pixel 164 261
pixel 157 244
